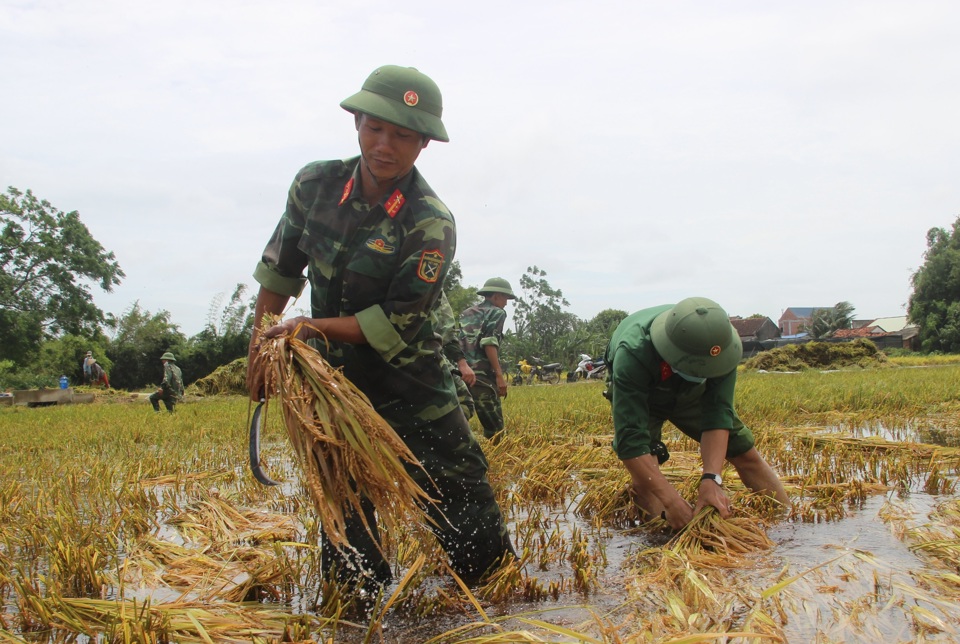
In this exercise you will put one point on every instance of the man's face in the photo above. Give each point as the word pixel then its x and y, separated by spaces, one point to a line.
pixel 499 300
pixel 389 151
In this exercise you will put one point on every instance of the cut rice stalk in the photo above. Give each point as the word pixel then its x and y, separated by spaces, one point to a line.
pixel 347 450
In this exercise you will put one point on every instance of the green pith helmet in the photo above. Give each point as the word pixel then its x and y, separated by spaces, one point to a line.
pixel 403 96
pixel 696 338
pixel 168 356
pixel 497 285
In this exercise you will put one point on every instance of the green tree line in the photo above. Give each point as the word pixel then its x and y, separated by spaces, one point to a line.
pixel 48 321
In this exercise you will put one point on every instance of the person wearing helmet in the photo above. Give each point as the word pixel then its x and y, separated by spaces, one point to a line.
pixel 170 390
pixel 482 330
pixel 376 243
pixel 679 363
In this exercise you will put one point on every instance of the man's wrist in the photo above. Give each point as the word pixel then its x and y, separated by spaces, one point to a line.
pixel 709 476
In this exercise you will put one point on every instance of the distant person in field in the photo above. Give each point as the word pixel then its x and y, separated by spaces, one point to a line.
pixel 679 363
pixel 482 330
pixel 170 390
pixel 98 375
pixel 87 364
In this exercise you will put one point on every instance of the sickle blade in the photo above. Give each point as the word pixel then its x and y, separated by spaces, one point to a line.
pixel 258 472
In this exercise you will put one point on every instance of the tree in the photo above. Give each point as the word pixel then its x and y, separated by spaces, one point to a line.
pixel 540 320
pixel 823 322
pixel 460 297
pixel 934 305
pixel 45 255
pixel 226 336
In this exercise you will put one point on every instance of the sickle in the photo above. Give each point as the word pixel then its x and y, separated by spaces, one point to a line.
pixel 255 449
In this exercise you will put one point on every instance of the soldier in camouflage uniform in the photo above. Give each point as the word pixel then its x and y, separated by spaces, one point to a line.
pixel 170 390
pixel 448 327
pixel 376 243
pixel 482 329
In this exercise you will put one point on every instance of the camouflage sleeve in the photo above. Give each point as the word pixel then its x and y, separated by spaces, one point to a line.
pixel 427 251
pixel 448 329
pixel 492 329
pixel 630 388
pixel 281 267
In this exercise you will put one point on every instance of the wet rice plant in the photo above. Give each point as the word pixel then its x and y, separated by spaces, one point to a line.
pixel 121 525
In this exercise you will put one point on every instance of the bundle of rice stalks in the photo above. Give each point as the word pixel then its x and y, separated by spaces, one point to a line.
pixel 347 450
pixel 709 532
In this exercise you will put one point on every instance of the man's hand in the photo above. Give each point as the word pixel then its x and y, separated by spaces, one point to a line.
pixel 713 495
pixel 501 385
pixel 466 373
pixel 678 515
pixel 300 327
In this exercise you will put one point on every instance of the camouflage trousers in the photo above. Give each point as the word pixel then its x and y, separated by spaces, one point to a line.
pixel 169 398
pixel 486 398
pixel 469 524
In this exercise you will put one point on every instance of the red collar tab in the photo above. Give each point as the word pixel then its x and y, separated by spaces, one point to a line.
pixel 347 189
pixel 665 370
pixel 394 203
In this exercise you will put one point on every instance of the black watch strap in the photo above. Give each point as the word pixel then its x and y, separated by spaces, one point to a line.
pixel 712 477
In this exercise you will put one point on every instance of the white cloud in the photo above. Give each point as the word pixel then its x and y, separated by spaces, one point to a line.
pixel 765 154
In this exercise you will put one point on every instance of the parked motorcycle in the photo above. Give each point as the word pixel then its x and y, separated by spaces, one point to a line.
pixel 588 369
pixel 549 373
pixel 523 372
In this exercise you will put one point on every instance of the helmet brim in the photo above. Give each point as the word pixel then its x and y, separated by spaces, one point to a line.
pixel 391 111
pixel 494 289
pixel 698 366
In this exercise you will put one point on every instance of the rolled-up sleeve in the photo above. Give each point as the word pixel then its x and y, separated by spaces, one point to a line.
pixel 631 406
pixel 492 329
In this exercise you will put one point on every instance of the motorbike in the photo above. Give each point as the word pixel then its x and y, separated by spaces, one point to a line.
pixel 549 373
pixel 588 369
pixel 523 372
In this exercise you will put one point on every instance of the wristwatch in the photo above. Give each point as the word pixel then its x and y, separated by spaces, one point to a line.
pixel 712 477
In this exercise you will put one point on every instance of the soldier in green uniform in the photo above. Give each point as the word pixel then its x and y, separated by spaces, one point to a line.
pixel 376 243
pixel 679 363
pixel 170 390
pixel 482 329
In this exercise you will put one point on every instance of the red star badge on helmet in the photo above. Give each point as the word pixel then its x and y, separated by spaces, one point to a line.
pixel 411 98
pixel 715 350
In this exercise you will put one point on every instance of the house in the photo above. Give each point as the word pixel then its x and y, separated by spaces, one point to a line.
pixel 795 319
pixel 886 333
pixel 756 334
pixel 758 329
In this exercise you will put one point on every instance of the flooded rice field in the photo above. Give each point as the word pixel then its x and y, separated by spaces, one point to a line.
pixel 118 525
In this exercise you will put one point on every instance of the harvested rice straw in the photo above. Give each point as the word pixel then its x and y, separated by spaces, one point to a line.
pixel 347 450
pixel 708 531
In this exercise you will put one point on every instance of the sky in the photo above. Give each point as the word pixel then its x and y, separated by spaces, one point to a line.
pixel 763 154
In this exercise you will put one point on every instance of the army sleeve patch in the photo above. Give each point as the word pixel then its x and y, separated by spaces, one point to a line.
pixel 431 261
